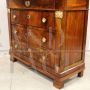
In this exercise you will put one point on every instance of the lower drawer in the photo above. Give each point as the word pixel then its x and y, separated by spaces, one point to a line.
pixel 45 58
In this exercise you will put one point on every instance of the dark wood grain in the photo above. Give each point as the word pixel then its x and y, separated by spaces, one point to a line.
pixel 49 4
pixel 27 17
pixel 49 42
pixel 33 4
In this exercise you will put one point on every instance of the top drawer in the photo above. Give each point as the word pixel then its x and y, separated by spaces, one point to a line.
pixel 31 4
pixel 72 4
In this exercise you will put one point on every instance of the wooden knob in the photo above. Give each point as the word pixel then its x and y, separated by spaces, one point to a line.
pixel 44 20
pixel 27 3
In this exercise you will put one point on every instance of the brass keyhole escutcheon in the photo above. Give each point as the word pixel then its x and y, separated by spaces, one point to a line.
pixel 27 3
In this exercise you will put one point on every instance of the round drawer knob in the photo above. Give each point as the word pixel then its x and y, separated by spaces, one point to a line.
pixel 43 57
pixel 14 16
pixel 44 20
pixel 15 32
pixel 27 3
pixel 16 46
pixel 28 16
pixel 29 50
pixel 44 39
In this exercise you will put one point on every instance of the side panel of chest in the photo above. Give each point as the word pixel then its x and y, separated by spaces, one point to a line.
pixel 72 34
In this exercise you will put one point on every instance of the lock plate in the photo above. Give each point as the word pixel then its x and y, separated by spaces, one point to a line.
pixel 27 3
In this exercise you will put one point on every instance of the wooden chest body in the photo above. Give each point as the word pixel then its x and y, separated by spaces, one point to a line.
pixel 49 36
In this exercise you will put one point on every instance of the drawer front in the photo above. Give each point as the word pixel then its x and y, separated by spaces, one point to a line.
pixel 19 33
pixel 45 58
pixel 16 48
pixel 33 18
pixel 18 17
pixel 72 4
pixel 38 4
pixel 20 49
pixel 41 38
pixel 19 40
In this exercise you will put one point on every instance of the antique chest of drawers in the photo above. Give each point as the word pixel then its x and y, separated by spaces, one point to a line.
pixel 49 36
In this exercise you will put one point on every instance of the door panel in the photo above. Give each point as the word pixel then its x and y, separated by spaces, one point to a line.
pixel 41 43
pixel 19 40
pixel 46 58
pixel 41 38
pixel 19 33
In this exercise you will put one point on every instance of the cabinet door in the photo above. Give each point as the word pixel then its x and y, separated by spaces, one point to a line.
pixel 41 44
pixel 19 40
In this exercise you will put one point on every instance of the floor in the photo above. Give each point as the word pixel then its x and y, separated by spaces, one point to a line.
pixel 22 78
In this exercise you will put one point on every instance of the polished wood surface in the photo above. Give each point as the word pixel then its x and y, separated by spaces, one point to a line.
pixel 49 36
pixel 49 4
pixel 30 18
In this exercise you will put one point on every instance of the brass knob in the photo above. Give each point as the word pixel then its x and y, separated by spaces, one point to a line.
pixel 16 46
pixel 27 3
pixel 43 57
pixel 28 16
pixel 14 16
pixel 44 39
pixel 15 32
pixel 44 20
pixel 29 50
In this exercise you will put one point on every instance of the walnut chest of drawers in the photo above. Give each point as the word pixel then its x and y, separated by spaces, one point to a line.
pixel 49 36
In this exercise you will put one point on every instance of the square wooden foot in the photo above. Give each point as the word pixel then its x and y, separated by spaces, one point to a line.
pixel 80 74
pixel 58 84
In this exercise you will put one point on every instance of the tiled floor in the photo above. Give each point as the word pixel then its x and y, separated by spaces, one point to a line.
pixel 25 79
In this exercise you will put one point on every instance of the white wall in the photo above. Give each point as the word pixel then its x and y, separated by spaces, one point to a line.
pixel 88 32
pixel 4 38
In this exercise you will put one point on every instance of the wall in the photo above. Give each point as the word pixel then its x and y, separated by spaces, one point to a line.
pixel 88 32
pixel 4 38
